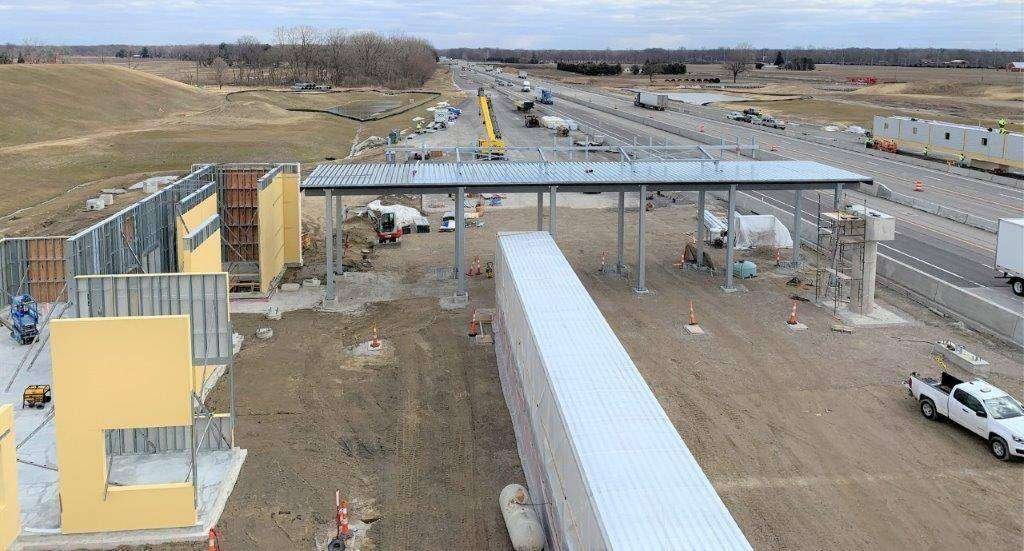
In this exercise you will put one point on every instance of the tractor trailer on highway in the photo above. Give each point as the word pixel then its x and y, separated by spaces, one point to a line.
pixel 1010 253
pixel 650 100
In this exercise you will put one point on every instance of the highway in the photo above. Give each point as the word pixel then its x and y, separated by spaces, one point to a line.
pixel 948 250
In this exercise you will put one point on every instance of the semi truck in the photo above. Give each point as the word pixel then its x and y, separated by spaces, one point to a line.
pixel 545 96
pixel 1009 263
pixel 650 100
pixel 977 406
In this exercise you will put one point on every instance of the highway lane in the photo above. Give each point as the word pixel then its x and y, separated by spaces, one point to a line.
pixel 936 246
pixel 971 195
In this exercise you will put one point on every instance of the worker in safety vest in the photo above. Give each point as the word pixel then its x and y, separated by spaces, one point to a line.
pixel 926 151
pixel 962 157
pixel 1002 126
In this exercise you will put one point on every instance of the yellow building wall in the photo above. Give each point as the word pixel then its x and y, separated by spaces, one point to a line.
pixel 10 513
pixel 204 258
pixel 271 232
pixel 192 219
pixel 292 219
pixel 113 373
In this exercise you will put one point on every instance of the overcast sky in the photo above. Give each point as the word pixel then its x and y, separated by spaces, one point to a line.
pixel 981 24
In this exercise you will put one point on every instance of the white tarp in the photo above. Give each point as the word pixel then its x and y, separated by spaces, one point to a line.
pixel 404 215
pixel 761 230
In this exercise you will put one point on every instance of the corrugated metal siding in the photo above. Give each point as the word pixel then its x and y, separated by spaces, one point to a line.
pixel 621 474
pixel 171 439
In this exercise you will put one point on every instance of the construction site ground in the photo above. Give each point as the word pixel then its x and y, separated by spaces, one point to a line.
pixel 809 437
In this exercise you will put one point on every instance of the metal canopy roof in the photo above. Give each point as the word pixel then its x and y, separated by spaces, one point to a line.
pixel 520 176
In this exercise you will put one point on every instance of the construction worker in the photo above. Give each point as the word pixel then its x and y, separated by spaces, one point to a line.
pixel 926 151
pixel 1002 126
pixel 961 162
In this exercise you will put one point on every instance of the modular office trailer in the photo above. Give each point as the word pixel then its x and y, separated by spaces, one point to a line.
pixel 605 465
pixel 981 147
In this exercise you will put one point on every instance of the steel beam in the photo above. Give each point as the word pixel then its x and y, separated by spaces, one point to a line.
pixel 620 259
pixel 329 245
pixel 540 211
pixel 701 203
pixel 798 201
pixel 339 244
pixel 641 245
pixel 837 199
pixel 460 227
pixel 551 211
pixel 729 239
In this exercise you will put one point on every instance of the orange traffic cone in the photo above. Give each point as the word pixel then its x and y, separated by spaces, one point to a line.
pixel 700 128
pixel 474 327
pixel 211 544
pixel 375 341
pixel 693 315
pixel 918 186
pixel 343 529
pixel 604 258
pixel 792 315
pixel 774 147
pixel 778 258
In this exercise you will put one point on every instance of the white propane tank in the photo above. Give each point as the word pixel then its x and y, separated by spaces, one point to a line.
pixel 524 528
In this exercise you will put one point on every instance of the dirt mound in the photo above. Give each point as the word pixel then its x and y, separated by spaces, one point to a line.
pixel 46 102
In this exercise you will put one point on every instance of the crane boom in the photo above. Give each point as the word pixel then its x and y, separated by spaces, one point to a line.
pixel 491 145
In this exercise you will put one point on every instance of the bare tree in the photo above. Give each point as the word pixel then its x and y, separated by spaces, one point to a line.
pixel 737 60
pixel 220 70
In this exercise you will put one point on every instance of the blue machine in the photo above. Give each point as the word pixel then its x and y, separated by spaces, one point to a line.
pixel 24 319
pixel 545 96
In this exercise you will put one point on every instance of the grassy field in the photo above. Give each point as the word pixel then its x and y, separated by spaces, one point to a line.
pixel 826 96
pixel 127 125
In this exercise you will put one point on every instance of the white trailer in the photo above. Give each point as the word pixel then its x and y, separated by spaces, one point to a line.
pixel 976 146
pixel 1010 253
pixel 605 466
pixel 650 100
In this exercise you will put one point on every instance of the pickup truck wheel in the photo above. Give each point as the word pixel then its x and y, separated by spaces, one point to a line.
pixel 998 448
pixel 928 409
pixel 1017 285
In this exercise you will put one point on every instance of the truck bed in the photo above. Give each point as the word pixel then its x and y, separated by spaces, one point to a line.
pixel 945 384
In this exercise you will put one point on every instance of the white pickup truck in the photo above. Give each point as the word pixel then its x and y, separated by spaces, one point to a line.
pixel 977 406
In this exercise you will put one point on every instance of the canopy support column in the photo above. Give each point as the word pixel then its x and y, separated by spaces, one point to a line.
pixel 641 272
pixel 729 240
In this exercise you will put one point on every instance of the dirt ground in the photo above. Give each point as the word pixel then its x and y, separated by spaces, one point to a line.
pixel 807 436
pixel 825 95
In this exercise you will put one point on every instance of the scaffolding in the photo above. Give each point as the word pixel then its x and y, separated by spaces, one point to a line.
pixel 839 273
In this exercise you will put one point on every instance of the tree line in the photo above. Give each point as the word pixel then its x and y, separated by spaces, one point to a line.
pixel 297 54
pixel 591 68
pixel 917 57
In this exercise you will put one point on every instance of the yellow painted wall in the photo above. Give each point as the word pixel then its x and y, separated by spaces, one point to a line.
pixel 10 514
pixel 271 232
pixel 204 258
pixel 292 219
pixel 192 219
pixel 111 373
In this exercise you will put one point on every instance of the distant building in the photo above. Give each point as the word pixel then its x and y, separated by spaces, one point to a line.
pixel 1015 66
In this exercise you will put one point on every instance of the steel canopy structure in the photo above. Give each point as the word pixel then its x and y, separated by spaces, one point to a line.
pixel 637 169
pixel 526 176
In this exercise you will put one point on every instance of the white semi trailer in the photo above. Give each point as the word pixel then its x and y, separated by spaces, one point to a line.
pixel 650 100
pixel 1010 253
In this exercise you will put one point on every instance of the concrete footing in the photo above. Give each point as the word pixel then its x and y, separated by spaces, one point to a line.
pixel 796 326
pixel 454 302
pixel 694 329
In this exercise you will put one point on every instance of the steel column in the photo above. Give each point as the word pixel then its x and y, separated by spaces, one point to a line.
pixel 551 211
pixel 540 211
pixel 329 245
pixel 700 227
pixel 729 238
pixel 641 245
pixel 460 226
pixel 837 198
pixel 797 221
pixel 620 260
pixel 339 244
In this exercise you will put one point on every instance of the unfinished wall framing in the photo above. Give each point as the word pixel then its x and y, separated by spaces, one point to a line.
pixel 33 265
pixel 201 296
pixel 142 238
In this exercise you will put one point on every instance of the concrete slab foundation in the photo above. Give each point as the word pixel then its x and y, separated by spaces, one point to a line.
pixel 879 317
